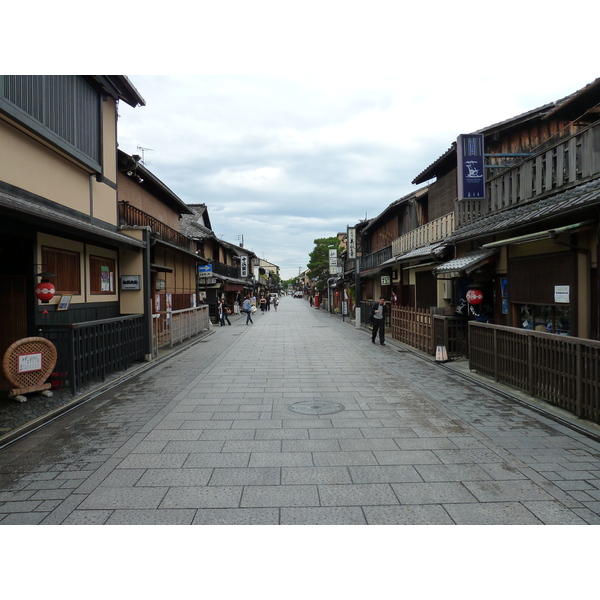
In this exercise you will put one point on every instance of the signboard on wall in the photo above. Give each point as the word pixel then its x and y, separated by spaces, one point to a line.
pixel 243 266
pixel 470 166
pixel 561 294
pixel 131 282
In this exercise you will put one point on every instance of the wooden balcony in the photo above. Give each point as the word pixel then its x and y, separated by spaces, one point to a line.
pixel 430 233
pixel 558 167
pixel 130 215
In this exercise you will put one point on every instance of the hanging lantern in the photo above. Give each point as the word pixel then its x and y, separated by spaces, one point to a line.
pixel 45 291
pixel 474 296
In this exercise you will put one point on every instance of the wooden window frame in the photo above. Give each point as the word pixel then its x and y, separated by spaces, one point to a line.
pixel 97 264
pixel 66 265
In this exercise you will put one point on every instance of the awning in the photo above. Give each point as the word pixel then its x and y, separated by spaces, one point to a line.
pixel 160 268
pixel 540 235
pixel 428 251
pixel 465 265
pixel 42 215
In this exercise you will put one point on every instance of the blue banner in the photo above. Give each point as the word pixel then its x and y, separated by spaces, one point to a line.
pixel 470 166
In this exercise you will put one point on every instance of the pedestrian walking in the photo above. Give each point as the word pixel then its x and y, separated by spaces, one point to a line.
pixel 247 308
pixel 378 312
pixel 224 312
pixel 275 303
pixel 268 302
pixel 263 304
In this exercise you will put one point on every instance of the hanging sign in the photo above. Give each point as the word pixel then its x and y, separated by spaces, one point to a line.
pixel 351 242
pixel 333 259
pixel 470 166
pixel 243 266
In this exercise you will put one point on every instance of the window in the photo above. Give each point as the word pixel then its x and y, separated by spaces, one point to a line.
pixel 66 266
pixel 548 318
pixel 102 275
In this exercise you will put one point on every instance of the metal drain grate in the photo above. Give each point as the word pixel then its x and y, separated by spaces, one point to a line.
pixel 316 407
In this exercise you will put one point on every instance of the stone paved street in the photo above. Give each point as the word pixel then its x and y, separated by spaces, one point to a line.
pixel 213 436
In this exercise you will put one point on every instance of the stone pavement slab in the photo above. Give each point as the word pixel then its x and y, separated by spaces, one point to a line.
pixel 213 436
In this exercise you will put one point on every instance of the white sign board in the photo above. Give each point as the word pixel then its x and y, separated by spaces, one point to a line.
pixel 131 282
pixel 561 294
pixel 351 242
pixel 333 260
pixel 30 362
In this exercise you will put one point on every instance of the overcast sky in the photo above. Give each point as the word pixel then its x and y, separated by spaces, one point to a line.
pixel 292 121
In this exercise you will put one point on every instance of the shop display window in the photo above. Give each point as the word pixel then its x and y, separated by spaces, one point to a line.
pixel 547 318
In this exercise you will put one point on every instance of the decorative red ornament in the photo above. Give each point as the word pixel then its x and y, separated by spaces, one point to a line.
pixel 474 296
pixel 45 291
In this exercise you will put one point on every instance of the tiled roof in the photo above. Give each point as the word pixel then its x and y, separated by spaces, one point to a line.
pixel 571 201
pixel 192 225
pixel 431 250
pixel 465 263
pixel 38 210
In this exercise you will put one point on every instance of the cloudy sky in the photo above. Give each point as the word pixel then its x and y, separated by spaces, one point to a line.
pixel 292 121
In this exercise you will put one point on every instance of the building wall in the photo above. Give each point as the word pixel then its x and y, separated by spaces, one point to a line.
pixel 28 164
pixel 442 196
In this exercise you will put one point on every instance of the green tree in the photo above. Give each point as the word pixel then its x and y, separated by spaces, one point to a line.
pixel 318 264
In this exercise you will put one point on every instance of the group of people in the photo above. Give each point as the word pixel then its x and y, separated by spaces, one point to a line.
pixel 378 313
pixel 248 306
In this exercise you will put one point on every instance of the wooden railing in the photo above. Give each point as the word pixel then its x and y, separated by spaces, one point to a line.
pixel 451 332
pixel 90 351
pixel 374 259
pixel 559 166
pixel 172 327
pixel 430 233
pixel 563 371
pixel 130 215
pixel 413 327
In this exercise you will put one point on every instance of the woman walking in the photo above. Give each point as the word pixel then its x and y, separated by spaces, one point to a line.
pixel 224 310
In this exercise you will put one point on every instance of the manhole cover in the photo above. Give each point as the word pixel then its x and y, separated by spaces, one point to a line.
pixel 316 407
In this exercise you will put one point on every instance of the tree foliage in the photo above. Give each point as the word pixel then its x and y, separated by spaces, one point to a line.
pixel 318 264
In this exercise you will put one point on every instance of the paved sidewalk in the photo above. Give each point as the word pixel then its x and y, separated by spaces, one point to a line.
pixel 218 435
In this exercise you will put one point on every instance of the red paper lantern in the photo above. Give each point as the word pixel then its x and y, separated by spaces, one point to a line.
pixel 474 296
pixel 45 291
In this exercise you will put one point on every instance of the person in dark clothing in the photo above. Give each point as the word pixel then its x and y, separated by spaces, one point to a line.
pixel 378 312
pixel 223 312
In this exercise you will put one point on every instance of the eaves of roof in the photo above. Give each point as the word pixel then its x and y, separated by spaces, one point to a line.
pixel 154 185
pixel 578 104
pixel 572 201
pixel 466 264
pixel 389 211
pixel 447 161
pixel 120 87
pixel 43 215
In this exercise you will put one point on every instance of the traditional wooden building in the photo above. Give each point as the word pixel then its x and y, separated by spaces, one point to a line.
pixel 59 216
